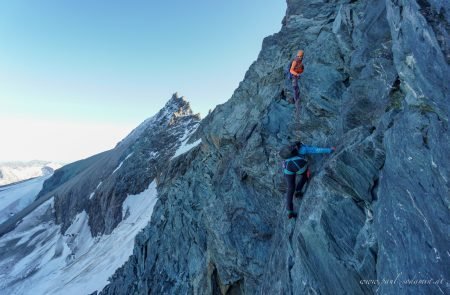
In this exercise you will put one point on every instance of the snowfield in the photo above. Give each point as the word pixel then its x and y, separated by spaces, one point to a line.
pixel 185 147
pixel 121 163
pixel 15 197
pixel 36 258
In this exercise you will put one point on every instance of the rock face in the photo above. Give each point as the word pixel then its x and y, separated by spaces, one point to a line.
pixel 375 216
pixel 101 183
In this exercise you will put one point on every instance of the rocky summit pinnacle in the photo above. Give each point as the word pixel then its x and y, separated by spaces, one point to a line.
pixel 374 218
pixel 178 106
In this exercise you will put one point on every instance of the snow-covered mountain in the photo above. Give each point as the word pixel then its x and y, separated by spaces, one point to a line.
pixel 81 227
pixel 11 172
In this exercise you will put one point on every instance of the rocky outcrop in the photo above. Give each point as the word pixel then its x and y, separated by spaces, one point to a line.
pixel 375 216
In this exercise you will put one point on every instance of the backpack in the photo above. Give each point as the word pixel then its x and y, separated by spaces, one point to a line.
pixel 289 151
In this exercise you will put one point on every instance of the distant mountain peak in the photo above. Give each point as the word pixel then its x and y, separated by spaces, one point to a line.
pixel 178 106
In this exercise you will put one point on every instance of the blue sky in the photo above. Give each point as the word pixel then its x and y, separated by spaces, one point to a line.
pixel 115 63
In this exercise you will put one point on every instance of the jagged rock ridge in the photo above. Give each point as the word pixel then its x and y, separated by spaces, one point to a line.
pixel 101 183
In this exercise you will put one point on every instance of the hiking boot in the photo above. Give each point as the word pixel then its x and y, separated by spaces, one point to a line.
pixel 292 214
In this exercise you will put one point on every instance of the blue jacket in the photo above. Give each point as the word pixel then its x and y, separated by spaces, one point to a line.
pixel 298 164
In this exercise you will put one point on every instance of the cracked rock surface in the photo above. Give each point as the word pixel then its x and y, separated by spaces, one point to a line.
pixel 376 86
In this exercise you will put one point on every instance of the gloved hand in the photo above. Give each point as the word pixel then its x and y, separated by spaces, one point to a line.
pixel 333 149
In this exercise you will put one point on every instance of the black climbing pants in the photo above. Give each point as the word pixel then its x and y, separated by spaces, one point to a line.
pixel 292 188
pixel 296 93
pixel 295 87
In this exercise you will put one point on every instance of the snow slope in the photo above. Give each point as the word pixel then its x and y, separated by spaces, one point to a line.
pixel 185 147
pixel 121 163
pixel 15 197
pixel 42 260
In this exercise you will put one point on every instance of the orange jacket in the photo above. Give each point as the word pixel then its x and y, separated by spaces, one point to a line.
pixel 296 67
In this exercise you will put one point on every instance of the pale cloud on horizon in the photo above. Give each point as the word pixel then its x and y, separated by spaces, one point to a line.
pixel 25 139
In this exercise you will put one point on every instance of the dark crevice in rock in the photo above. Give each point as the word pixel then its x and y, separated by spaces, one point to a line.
pixel 424 131
pixel 145 252
pixel 361 204
pixel 396 85
pixel 422 186
pixel 352 18
pixel 396 96
pixel 251 132
pixel 347 82
pixel 389 126
pixel 215 283
pixel 235 288
pixel 374 190
pixel 243 175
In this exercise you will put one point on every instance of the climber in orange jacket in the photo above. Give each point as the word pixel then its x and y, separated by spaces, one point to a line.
pixel 297 69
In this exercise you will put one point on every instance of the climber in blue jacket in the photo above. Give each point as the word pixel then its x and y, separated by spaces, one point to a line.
pixel 295 163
